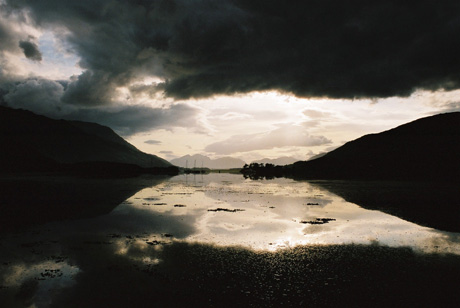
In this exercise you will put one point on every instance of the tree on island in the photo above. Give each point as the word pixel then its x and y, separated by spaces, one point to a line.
pixel 256 171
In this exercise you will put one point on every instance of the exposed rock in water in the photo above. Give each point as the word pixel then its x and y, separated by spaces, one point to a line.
pixel 318 221
pixel 226 210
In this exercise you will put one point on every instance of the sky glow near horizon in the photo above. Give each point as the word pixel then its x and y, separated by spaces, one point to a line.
pixel 251 124
pixel 253 116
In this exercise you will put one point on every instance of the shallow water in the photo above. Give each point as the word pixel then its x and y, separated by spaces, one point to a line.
pixel 269 214
pixel 223 219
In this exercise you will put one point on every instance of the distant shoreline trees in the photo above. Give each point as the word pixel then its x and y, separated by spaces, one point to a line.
pixel 256 171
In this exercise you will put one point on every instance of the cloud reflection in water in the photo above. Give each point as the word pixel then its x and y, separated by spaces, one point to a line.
pixel 148 251
pixel 276 211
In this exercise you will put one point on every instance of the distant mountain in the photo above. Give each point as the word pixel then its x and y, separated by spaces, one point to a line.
pixel 425 149
pixel 280 161
pixel 31 142
pixel 199 161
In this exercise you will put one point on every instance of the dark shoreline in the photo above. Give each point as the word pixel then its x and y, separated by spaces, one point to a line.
pixel 38 198
pixel 89 169
pixel 199 275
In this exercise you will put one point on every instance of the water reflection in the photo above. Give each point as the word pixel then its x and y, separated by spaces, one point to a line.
pixel 29 200
pixel 230 210
pixel 432 204
pixel 193 239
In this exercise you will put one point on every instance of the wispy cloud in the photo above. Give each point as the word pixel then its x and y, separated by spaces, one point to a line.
pixel 153 142
pixel 230 116
pixel 168 154
pixel 285 135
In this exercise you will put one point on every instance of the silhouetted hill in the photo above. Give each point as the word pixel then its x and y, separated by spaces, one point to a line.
pixel 30 142
pixel 206 162
pixel 317 156
pixel 425 149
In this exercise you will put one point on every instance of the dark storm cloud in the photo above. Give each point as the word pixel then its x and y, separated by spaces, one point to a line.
pixel 31 50
pixel 129 120
pixel 13 38
pixel 44 97
pixel 341 49
pixel 36 94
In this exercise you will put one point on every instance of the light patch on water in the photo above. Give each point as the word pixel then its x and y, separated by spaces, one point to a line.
pixel 46 278
pixel 279 213
pixel 216 209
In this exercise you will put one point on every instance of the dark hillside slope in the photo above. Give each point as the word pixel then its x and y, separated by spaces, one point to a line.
pixel 425 149
pixel 31 142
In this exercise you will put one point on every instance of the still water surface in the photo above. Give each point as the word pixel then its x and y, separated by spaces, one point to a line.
pixel 220 210
pixel 227 209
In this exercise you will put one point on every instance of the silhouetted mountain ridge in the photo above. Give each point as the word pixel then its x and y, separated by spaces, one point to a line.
pixel 280 161
pixel 101 131
pixel 425 149
pixel 32 142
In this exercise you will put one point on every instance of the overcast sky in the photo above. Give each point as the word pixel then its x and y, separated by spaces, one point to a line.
pixel 242 78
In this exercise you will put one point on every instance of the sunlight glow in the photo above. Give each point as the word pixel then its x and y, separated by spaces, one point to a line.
pixel 272 215
pixel 260 113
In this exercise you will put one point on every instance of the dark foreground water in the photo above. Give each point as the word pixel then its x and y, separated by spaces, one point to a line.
pixel 216 240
